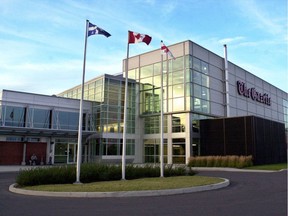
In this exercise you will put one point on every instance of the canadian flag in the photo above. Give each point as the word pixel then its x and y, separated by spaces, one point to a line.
pixel 135 37
pixel 165 50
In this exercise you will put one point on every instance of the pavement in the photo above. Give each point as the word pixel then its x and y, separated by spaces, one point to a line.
pixel 249 193
pixel 14 168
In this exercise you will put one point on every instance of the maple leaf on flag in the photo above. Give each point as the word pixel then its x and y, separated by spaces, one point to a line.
pixel 135 37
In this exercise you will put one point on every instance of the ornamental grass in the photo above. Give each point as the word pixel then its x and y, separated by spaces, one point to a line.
pixel 232 161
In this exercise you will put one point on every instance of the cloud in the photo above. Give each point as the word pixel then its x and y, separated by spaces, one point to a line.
pixel 168 7
pixel 231 40
pixel 272 23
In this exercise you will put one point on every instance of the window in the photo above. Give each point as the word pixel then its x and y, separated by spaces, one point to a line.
pixel 152 150
pixel 178 123
pixel 177 64
pixel 178 77
pixel 14 116
pixel 178 90
pixel 157 69
pixel 146 71
pixel 178 104
pixel 197 78
pixel 196 64
pixel 178 150
pixel 66 120
pixel 205 80
pixel 152 125
pixel 204 67
pixel 201 105
pixel 41 118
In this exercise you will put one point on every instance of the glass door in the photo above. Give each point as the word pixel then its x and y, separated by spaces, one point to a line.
pixel 72 153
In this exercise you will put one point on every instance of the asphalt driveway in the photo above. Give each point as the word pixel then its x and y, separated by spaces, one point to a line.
pixel 249 193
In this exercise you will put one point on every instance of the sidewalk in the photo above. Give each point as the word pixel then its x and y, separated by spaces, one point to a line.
pixel 16 168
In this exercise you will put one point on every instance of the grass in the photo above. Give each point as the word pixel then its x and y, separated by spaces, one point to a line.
pixel 269 167
pixel 131 185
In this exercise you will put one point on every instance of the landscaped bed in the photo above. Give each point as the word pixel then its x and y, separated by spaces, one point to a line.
pixel 131 185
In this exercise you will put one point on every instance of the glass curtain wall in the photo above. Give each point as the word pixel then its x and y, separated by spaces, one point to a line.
pixel 107 94
pixel 198 88
pixel 39 118
pixel 152 150
pixel 173 87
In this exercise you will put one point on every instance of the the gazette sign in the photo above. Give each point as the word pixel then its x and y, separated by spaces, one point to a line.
pixel 253 94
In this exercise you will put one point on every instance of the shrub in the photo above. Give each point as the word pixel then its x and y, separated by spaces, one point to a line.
pixel 43 175
pixel 92 172
pixel 221 161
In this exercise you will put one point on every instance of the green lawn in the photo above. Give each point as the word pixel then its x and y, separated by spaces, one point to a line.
pixel 269 167
pixel 131 185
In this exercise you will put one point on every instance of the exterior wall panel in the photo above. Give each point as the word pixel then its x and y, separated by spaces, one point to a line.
pixel 262 138
pixel 216 84
pixel 200 52
pixel 216 60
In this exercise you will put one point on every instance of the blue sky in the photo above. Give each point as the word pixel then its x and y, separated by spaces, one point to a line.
pixel 42 41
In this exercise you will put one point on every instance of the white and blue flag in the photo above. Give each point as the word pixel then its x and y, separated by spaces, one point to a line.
pixel 94 30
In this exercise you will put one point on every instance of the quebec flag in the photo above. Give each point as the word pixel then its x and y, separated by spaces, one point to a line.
pixel 94 30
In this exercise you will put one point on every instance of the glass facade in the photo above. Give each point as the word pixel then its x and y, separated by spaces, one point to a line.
pixel 39 118
pixel 107 96
pixel 152 150
pixel 185 91
pixel 185 86
pixel 152 125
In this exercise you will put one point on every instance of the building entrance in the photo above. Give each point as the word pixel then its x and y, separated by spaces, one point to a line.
pixel 65 151
pixel 72 153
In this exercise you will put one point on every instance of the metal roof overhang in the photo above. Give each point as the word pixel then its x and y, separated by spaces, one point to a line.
pixel 40 132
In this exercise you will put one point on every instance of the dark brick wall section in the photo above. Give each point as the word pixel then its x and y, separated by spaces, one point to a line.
pixel 11 153
pixel 250 135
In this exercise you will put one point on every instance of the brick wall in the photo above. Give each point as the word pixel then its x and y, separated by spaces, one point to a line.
pixel 11 153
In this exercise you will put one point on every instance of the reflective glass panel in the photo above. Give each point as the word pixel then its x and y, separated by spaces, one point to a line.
pixel 177 64
pixel 178 77
pixel 146 71
pixel 178 90
pixel 196 64
pixel 178 104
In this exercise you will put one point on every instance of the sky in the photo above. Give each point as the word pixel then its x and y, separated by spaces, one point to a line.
pixel 42 41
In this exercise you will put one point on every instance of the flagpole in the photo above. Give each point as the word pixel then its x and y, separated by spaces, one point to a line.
pixel 161 124
pixel 226 82
pixel 79 147
pixel 125 115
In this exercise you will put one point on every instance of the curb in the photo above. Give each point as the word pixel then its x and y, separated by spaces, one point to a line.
pixel 234 170
pixel 223 184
